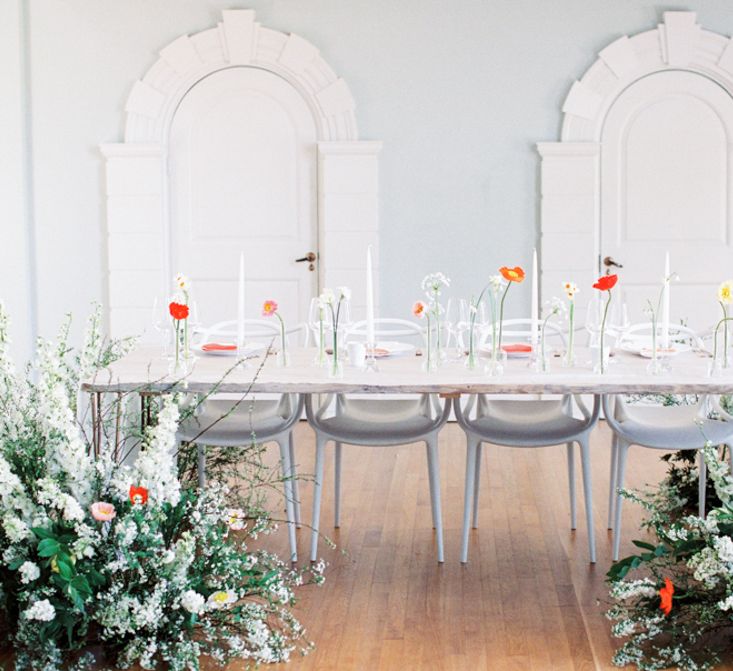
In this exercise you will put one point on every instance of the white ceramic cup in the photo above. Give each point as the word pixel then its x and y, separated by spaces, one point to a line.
pixel 357 354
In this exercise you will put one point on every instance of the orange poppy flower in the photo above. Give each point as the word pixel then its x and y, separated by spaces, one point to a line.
pixel 138 495
pixel 515 274
pixel 665 596
pixel 418 309
pixel 606 282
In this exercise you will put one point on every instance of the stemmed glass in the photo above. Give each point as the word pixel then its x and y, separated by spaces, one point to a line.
pixel 161 322
pixel 475 332
pixel 453 328
pixel 318 325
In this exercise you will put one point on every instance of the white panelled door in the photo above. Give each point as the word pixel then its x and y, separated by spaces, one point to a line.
pixel 243 177
pixel 667 184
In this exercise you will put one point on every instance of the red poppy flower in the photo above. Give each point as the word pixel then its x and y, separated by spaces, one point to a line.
pixel 138 495
pixel 606 282
pixel 665 596
pixel 178 311
pixel 515 274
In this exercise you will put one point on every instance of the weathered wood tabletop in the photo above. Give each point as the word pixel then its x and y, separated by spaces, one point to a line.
pixel 145 369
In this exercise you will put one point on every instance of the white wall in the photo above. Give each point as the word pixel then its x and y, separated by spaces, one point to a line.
pixel 458 90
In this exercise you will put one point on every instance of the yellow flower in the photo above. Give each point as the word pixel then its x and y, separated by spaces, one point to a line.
pixel 221 599
pixel 725 292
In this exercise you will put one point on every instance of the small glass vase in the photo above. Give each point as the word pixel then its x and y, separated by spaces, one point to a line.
pixel 282 359
pixel 496 362
pixel 599 367
pixel 335 365
pixel 541 362
pixel 657 365
pixel 568 359
pixel 321 357
pixel 432 354
pixel 472 360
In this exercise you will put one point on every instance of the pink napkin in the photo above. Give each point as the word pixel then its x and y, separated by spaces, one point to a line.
pixel 218 347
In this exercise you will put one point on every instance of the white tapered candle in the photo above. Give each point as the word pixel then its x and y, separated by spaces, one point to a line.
pixel 369 299
pixel 535 310
pixel 665 305
pixel 240 303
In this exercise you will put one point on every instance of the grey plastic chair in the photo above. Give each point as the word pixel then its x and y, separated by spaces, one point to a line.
pixel 683 427
pixel 527 424
pixel 377 422
pixel 222 423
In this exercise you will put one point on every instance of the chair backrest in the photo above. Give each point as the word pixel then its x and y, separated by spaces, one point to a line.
pixel 642 333
pixel 514 330
pixel 259 330
pixel 388 329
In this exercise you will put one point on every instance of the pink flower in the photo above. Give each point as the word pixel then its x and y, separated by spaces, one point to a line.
pixel 269 308
pixel 103 512
pixel 418 309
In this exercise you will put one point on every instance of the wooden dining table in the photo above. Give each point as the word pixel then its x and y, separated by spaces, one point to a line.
pixel 146 370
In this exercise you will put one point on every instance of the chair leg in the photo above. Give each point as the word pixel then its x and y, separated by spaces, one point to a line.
pixel 294 481
pixel 289 505
pixel 468 493
pixel 588 496
pixel 337 486
pixel 571 485
pixel 612 480
pixel 201 464
pixel 431 480
pixel 623 448
pixel 435 505
pixel 317 491
pixel 702 482
pixel 476 485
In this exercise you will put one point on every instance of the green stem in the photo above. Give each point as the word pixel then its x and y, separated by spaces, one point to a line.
pixel 501 314
pixel 185 329
pixel 715 336
pixel 571 333
pixel 603 330
pixel 725 334
pixel 543 361
pixel 283 343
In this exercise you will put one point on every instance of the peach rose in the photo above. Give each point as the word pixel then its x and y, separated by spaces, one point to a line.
pixel 103 512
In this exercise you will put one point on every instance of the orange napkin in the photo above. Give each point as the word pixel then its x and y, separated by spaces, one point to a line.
pixel 517 347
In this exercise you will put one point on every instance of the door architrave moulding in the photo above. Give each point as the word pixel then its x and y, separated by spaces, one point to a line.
pixel 136 169
pixel 570 178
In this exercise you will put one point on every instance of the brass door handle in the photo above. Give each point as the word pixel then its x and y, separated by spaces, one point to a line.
pixel 310 257
pixel 610 263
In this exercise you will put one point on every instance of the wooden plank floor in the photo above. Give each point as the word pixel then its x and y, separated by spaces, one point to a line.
pixel 527 599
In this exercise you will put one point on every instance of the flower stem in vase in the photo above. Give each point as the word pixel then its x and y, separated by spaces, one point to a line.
pixel 472 360
pixel 282 356
pixel 321 340
pixel 570 354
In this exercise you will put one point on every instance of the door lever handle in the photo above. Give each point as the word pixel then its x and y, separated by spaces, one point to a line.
pixel 310 257
pixel 610 263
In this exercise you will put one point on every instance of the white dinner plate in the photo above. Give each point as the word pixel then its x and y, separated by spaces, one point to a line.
pixel 485 350
pixel 248 349
pixel 643 348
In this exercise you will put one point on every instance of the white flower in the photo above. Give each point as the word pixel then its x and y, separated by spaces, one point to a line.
pixel 182 282
pixel 433 283
pixel 726 604
pixel 29 572
pixel 327 297
pixel 42 611
pixel 236 519
pixel 344 293
pixel 570 289
pixel 192 601
pixel 724 547
pixel 221 599
pixel 497 283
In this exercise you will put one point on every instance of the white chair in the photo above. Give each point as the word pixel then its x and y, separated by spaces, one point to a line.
pixel 377 422
pixel 222 422
pixel 680 427
pixel 526 424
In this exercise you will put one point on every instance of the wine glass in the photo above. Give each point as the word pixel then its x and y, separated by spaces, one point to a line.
pixel 452 328
pixel 161 322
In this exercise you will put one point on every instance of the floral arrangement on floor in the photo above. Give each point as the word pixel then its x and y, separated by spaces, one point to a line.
pixel 122 559
pixel 679 612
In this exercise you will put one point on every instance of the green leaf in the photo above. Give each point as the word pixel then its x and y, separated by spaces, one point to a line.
pixel 66 571
pixel 42 533
pixel 643 545
pixel 48 547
